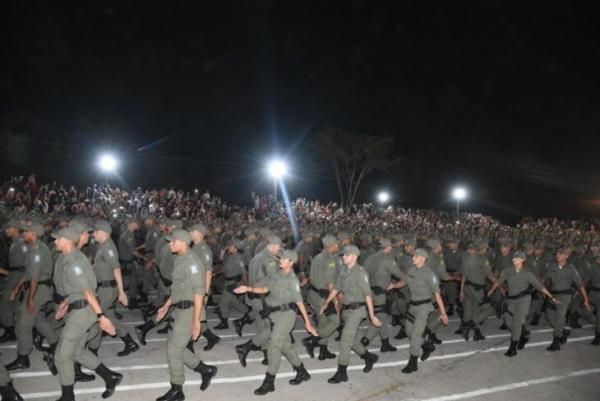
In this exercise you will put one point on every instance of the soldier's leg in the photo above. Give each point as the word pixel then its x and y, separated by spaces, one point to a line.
pixel 556 316
pixel 44 323
pixel 225 303
pixel 283 324
pixel 4 376
pixel 238 305
pixel 535 309
pixel 23 328
pixel 178 338
pixel 352 319
pixel 511 321
pixel 420 315
pixel 7 307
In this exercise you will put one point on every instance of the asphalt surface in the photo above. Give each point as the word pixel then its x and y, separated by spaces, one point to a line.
pixel 457 370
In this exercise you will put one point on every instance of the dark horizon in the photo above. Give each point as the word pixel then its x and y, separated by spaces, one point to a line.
pixel 497 97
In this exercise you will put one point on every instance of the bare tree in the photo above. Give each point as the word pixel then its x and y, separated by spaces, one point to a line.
pixel 353 157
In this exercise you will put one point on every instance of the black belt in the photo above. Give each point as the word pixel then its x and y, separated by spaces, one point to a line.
pixel 477 287
pixel 17 268
pixel 126 262
pixel 354 305
pixel 184 304
pixel 48 282
pixel 519 295
pixel 378 290
pixel 234 278
pixel 322 293
pixel 421 302
pixel 380 308
pixel 254 296
pixel 594 289
pixel 107 283
pixel 79 304
pixel 166 282
pixel 282 308
pixel 562 292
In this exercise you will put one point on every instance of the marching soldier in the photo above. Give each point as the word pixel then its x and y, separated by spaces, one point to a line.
pixel 187 299
pixel 281 303
pixel 129 267
pixel 235 275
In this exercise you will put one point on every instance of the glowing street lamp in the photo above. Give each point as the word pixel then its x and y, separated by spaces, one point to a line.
pixel 277 169
pixel 383 197
pixel 459 194
pixel 108 164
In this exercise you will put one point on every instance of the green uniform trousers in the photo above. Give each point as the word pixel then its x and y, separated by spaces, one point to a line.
pixel 326 324
pixel 556 314
pixel 230 301
pixel 350 340
pixel 178 338
pixel 4 377
pixel 516 315
pixel 7 307
pixel 262 326
pixel 416 321
pixel 280 343
pixel 26 322
pixel 71 346
pixel 108 297
pixel 475 307
pixel 379 303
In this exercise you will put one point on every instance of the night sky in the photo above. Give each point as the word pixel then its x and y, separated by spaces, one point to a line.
pixel 499 96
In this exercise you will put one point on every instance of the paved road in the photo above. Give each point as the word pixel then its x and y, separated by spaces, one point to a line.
pixel 457 370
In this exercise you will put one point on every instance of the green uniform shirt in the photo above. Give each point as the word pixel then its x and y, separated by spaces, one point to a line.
pixel 38 263
pixel 189 278
pixel 17 252
pixel 284 288
pixel 518 281
pixel 503 263
pixel 248 251
pixel 476 269
pixel 562 277
pixel 166 262
pixel 453 259
pixel 106 261
pixel 78 276
pixel 127 245
pixel 205 254
pixel 381 267
pixel 152 237
pixel 438 266
pixel 423 283
pixel 261 266
pixel 353 283
pixel 59 272
pixel 233 266
pixel 323 270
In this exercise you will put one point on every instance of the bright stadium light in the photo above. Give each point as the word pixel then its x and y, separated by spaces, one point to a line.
pixel 277 169
pixel 383 197
pixel 459 193
pixel 107 163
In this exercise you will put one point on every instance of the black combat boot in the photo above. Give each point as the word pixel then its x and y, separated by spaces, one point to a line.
pixel 478 336
pixel 143 329
pixel 207 372
pixel 325 354
pixel 386 346
pixel 402 333
pixel 434 339
pixel 339 376
pixel 412 365
pixel 365 341
pixel 148 312
pixel 142 299
pixel 301 375
pixel 9 335
pixel 9 393
pixel 38 340
pixel 395 320
pixel 80 376
pixel 174 394
pixel 243 350
pixel 524 339
pixel 265 360
pixel 596 340
pixel 428 349
pixel 240 323
pixel 224 325
pixel 130 346
pixel 310 343
pixel 574 321
pixel 370 360
pixel 211 340
pixel 555 346
pixel 461 329
pixel 565 336
pixel 267 386
pixel 450 311
pixel 467 329
pixel 111 379
pixel 503 326
pixel 536 320
pixel 49 358
pixel 67 394
pixel 512 350
pixel 22 362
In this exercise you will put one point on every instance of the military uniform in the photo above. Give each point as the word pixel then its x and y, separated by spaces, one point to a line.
pixel 17 253
pixel 594 293
pixel 450 289
pixel 476 271
pixel 438 267
pixel 261 267
pixel 152 236
pixel 234 271
pixel 129 265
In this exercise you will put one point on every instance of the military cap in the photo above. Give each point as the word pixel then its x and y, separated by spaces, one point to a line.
pixel 180 235
pixel 178 224
pixel 34 227
pixel 384 243
pixel 342 235
pixel 410 241
pixel 249 231
pixel 79 226
pixel 201 228
pixel 421 252
pixel 104 226
pixel 12 223
pixel 519 254
pixel 472 245
pixel 398 237
pixel 274 240
pixel 432 242
pixel 290 255
pixel 329 240
pixel 67 233
pixel 351 250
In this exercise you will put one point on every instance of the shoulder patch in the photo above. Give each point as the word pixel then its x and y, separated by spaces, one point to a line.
pixel 37 258
pixel 434 279
pixel 24 247
pixel 111 253
pixel 194 269
pixel 78 270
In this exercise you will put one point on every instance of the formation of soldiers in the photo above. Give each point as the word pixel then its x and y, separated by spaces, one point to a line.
pixel 65 277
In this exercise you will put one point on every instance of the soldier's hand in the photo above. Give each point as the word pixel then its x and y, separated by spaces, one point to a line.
pixel 13 294
pixel 376 322
pixel 311 329
pixel 242 289
pixel 107 326
pixel 322 310
pixel 162 312
pixel 62 310
pixel 444 319
pixel 31 308
pixel 462 297
pixel 196 328
pixel 123 299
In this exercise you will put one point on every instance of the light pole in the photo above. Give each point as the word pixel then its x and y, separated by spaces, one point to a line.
pixel 108 164
pixel 459 194
pixel 277 170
